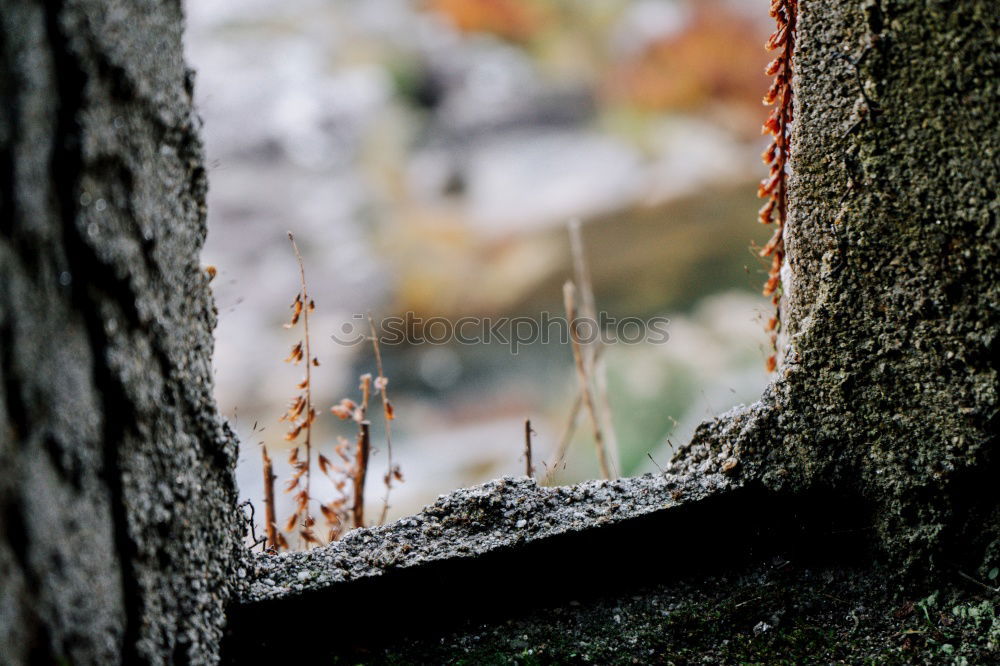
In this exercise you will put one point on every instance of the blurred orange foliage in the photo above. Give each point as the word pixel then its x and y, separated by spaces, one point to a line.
pixel 515 20
pixel 716 58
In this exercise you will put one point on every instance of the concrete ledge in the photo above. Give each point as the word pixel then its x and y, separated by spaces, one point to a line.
pixel 473 522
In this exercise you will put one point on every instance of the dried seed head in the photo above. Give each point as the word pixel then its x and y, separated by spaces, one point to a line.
pixel 767 157
pixel 777 38
pixel 343 409
pixel 294 432
pixel 764 215
pixel 296 355
pixel 295 408
pixel 772 125
pixel 331 516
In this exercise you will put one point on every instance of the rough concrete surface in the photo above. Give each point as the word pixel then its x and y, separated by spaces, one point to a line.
pixel 889 383
pixel 120 539
pixel 118 518
pixel 472 522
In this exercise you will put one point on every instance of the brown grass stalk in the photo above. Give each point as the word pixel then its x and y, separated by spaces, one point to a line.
pixel 568 430
pixel 308 387
pixel 270 520
pixel 381 381
pixel 300 414
pixel 337 512
pixel 529 470
pixel 572 316
pixel 565 438
pixel 593 358
pixel 361 472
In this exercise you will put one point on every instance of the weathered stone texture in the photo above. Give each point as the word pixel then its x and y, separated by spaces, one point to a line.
pixel 119 532
pixel 888 386
pixel 118 519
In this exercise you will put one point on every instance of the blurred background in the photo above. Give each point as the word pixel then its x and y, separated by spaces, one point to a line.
pixel 427 154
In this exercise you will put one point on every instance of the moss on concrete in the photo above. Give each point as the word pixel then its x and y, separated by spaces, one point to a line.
pixel 888 382
pixel 777 612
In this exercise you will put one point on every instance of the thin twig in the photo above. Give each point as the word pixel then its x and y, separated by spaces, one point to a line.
pixel 569 298
pixel 569 429
pixel 271 523
pixel 994 590
pixel 362 451
pixel 749 601
pixel 389 415
pixel 595 366
pixel 529 470
pixel 308 383
pixel 580 270
pixel 306 534
pixel 361 471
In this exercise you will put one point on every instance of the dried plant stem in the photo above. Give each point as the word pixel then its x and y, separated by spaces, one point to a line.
pixel 270 520
pixel 361 472
pixel 569 298
pixel 774 188
pixel 595 366
pixel 388 414
pixel 580 269
pixel 308 393
pixel 569 429
pixel 309 413
pixel 529 471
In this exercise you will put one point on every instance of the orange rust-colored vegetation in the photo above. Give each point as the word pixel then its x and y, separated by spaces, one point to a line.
pixel 514 20
pixel 347 468
pixel 712 65
pixel 774 187
pixel 300 414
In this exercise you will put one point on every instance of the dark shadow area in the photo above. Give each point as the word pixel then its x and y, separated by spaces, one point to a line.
pixel 426 601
